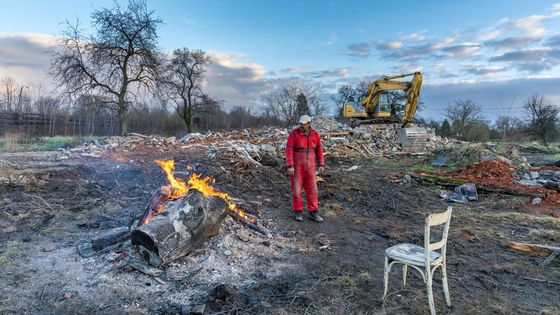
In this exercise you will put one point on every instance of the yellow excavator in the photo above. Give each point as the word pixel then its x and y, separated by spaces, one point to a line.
pixel 376 108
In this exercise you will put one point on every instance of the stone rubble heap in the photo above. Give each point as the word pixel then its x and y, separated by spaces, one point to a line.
pixel 547 178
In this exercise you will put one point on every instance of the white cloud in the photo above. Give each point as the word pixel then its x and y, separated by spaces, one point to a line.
pixel 359 50
pixel 394 44
pixel 488 34
pixel 462 50
pixel 444 42
pixel 415 37
pixel 232 60
pixel 531 25
pixel 332 40
pixel 481 70
pixel 25 57
pixel 233 80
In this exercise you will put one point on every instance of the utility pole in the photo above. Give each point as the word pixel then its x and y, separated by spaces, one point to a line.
pixel 19 98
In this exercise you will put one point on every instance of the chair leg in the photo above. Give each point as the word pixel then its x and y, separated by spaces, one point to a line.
pixel 430 292
pixel 386 277
pixel 404 271
pixel 444 282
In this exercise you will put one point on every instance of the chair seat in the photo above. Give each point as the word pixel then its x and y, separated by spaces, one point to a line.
pixel 410 253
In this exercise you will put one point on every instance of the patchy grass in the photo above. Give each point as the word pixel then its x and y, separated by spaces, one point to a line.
pixel 460 155
pixel 4 261
pixel 332 210
pixel 385 164
pixel 553 148
pixel 19 143
pixel 551 310
pixel 50 230
pixel 64 215
pixel 345 281
pixel 517 217
pixel 14 249
pixel 549 158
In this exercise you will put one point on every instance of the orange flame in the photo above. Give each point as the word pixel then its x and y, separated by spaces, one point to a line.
pixel 179 188
pixel 151 215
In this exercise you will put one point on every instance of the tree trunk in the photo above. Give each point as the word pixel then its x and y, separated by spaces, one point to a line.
pixel 122 116
pixel 188 120
pixel 182 226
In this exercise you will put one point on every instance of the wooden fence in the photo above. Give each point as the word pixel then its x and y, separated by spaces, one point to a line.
pixel 80 124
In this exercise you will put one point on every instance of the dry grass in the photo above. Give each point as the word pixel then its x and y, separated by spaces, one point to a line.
pixel 11 141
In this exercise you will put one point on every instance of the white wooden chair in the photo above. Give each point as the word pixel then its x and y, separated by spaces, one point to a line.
pixel 426 260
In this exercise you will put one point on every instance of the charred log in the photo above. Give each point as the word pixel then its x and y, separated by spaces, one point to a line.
pixel 181 227
pixel 104 240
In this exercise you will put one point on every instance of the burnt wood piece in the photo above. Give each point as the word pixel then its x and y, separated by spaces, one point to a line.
pixel 110 237
pixel 251 207
pixel 534 249
pixel 104 240
pixel 246 223
pixel 182 226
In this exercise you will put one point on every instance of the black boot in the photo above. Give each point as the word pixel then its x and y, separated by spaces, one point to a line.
pixel 314 215
pixel 298 217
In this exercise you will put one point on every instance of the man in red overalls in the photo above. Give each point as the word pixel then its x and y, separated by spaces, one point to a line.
pixel 303 147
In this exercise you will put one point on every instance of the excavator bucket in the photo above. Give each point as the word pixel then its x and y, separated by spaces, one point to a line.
pixel 413 140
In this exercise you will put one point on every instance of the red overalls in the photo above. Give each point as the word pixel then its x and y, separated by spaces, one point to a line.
pixel 301 151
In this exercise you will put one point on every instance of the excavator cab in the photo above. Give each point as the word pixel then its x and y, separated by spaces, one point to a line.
pixel 382 110
pixel 384 107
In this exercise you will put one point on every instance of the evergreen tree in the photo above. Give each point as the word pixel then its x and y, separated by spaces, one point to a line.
pixel 302 106
pixel 445 130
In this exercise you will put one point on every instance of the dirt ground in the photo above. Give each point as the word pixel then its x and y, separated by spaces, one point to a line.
pixel 49 206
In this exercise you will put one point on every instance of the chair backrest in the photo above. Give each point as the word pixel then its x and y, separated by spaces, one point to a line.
pixel 435 219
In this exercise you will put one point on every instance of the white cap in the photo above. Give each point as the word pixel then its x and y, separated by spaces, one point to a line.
pixel 304 119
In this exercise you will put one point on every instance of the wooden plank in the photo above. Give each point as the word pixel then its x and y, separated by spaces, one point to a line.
pixel 535 249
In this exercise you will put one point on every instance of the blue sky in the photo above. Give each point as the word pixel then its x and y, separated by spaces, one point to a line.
pixel 496 52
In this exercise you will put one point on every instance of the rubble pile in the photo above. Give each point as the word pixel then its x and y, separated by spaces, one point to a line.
pixel 255 145
pixel 132 142
pixel 500 174
pixel 549 178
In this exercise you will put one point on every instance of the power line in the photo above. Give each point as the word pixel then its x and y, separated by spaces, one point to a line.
pixel 487 109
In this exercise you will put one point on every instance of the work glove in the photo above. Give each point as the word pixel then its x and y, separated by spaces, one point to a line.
pixel 291 170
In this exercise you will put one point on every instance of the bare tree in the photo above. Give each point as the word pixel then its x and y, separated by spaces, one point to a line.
pixel 9 90
pixel 121 55
pixel 282 102
pixel 49 106
pixel 464 114
pixel 183 82
pixel 349 94
pixel 506 126
pixel 345 94
pixel 543 118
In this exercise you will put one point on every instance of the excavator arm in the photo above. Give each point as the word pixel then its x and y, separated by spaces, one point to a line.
pixel 412 99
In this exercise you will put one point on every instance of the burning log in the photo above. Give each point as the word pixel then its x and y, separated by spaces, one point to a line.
pixel 182 226
pixel 156 204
